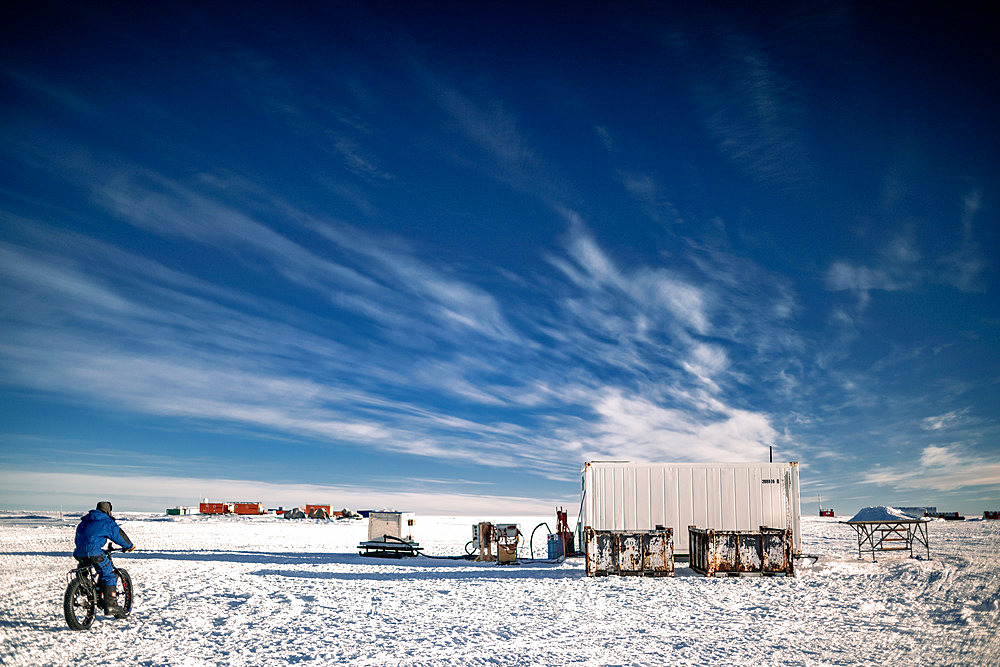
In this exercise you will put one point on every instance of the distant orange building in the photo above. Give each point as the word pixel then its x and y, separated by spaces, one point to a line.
pixel 242 507
pixel 320 511
pixel 245 507
pixel 216 508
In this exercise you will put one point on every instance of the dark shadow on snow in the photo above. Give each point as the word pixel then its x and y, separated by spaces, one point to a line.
pixel 302 558
pixel 487 573
pixel 388 568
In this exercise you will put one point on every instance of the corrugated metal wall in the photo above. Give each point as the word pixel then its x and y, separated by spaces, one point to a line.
pixel 723 496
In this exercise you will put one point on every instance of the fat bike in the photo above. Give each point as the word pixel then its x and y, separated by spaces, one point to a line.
pixel 84 594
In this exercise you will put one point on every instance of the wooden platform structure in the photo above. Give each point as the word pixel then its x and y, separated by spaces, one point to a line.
pixel 886 529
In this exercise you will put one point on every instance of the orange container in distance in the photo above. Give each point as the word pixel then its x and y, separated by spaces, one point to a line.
pixel 319 511
pixel 245 507
pixel 215 508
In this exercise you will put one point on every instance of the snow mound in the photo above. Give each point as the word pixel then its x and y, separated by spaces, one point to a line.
pixel 881 513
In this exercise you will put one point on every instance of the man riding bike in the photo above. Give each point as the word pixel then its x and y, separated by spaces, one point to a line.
pixel 93 533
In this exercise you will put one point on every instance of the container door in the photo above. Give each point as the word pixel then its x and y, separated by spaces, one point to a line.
pixel 629 553
pixel 726 555
pixel 658 553
pixel 776 547
pixel 605 552
pixel 749 552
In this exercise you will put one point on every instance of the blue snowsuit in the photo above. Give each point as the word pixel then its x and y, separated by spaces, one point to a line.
pixel 93 533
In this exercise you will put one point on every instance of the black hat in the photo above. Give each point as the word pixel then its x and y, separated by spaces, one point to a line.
pixel 104 506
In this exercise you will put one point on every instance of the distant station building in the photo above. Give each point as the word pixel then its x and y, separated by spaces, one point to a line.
pixel 244 507
pixel 918 512
pixel 216 508
pixel 248 507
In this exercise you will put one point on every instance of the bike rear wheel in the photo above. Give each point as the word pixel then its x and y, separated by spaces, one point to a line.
pixel 124 590
pixel 79 604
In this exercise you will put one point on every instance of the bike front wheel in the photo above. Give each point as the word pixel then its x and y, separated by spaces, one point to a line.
pixel 125 593
pixel 79 604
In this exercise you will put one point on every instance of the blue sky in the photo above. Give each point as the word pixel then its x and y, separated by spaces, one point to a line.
pixel 435 258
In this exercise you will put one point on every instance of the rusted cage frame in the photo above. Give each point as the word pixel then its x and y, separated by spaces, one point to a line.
pixel 873 536
pixel 705 555
pixel 644 565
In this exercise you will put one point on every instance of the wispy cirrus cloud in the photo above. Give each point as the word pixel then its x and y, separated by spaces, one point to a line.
pixel 861 280
pixel 153 492
pixel 184 347
pixel 177 354
pixel 944 421
pixel 53 92
pixel 635 427
pixel 748 107
pixel 902 266
pixel 487 126
pixel 343 273
pixel 644 188
pixel 357 159
pixel 456 301
pixel 591 270
pixel 653 323
pixel 964 266
pixel 139 336
pixel 940 468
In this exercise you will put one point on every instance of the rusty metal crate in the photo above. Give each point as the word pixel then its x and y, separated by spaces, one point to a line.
pixel 644 553
pixel 730 553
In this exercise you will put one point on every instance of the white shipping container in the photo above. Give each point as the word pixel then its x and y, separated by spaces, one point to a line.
pixel 622 495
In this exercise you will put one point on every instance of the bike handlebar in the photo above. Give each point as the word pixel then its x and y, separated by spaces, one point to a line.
pixel 111 550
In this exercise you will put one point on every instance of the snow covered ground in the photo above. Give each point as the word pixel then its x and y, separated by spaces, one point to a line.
pixel 264 591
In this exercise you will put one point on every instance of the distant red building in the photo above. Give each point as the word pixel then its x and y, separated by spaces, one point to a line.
pixel 244 507
pixel 216 508
pixel 321 512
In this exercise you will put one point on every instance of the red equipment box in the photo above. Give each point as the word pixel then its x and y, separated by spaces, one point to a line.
pixel 215 508
pixel 317 511
pixel 248 508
